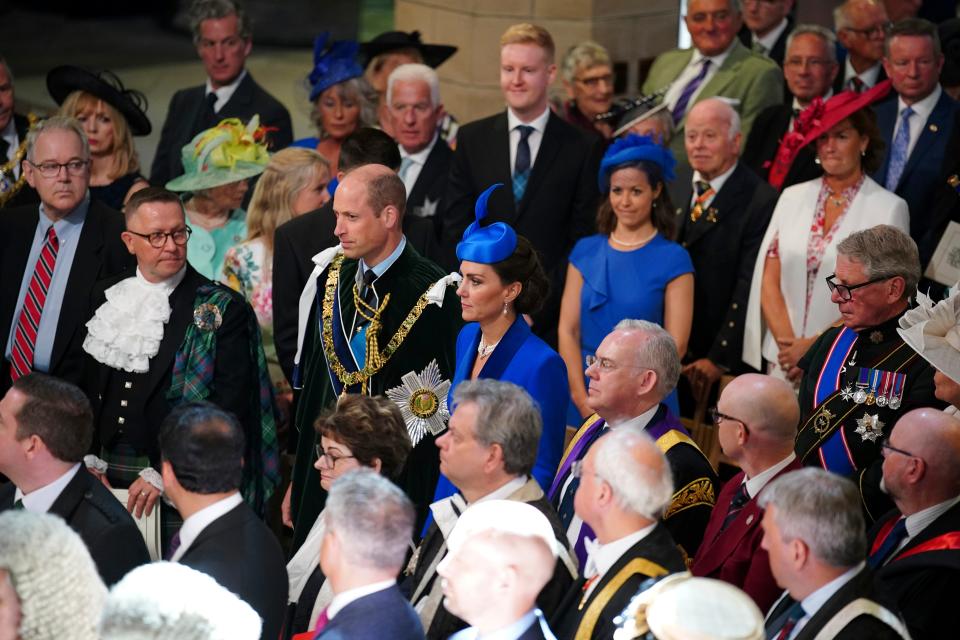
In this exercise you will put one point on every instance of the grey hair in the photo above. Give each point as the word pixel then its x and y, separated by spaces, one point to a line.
pixel 823 510
pixel 828 37
pixel 586 55
pixel 734 6
pixel 913 27
pixel 729 108
pixel 659 352
pixel 637 487
pixel 171 600
pixel 414 72
pixel 202 10
pixel 507 416
pixel 57 123
pixel 356 89
pixel 372 517
pixel 840 18
pixel 60 591
pixel 885 252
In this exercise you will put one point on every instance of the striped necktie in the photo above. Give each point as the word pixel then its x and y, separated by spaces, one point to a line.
pixel 704 193
pixel 28 325
pixel 680 108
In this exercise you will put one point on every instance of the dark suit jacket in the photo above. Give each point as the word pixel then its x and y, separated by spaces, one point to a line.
pixel 761 147
pixel 922 583
pixel 187 116
pixel 242 554
pixel 230 391
pixel 383 614
pixel 558 208
pixel 723 247
pixel 779 49
pixel 841 61
pixel 100 254
pixel 111 535
pixel 27 194
pixel 657 547
pixel 924 167
pixel 865 626
pixel 421 222
pixel 734 554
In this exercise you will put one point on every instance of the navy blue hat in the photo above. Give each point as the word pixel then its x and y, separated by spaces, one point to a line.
pixel 489 244
pixel 634 148
pixel 332 65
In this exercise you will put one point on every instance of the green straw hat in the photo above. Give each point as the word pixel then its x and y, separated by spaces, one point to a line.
pixel 226 153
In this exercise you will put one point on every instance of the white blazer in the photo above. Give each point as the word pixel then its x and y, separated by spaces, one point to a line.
pixel 791 220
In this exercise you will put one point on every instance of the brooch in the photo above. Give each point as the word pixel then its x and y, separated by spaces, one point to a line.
pixel 422 399
pixel 822 422
pixel 876 337
pixel 207 317
pixel 712 214
pixel 869 427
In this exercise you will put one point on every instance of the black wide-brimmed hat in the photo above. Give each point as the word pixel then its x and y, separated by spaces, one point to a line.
pixel 64 80
pixel 433 54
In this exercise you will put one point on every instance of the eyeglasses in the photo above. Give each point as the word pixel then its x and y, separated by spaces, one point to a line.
pixel 803 62
pixel 595 81
pixel 880 29
pixel 329 458
pixel 52 169
pixel 158 239
pixel 845 291
pixel 717 417
pixel 606 364
pixel 886 445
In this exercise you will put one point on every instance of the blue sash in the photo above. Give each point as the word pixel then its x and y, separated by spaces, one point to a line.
pixel 829 380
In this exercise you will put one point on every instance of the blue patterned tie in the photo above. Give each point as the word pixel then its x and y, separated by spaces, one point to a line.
pixel 890 544
pixel 898 154
pixel 521 167
pixel 680 109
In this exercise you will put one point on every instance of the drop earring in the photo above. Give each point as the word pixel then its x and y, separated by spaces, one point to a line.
pixel 504 307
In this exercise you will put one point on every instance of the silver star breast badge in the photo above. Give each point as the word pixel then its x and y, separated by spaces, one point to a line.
pixel 869 427
pixel 422 399
pixel 846 393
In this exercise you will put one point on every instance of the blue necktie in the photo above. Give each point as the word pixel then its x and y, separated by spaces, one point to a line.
pixel 898 153
pixel 890 543
pixel 521 167
pixel 739 500
pixel 680 109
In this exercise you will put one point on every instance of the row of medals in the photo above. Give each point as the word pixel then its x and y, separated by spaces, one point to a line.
pixel 871 397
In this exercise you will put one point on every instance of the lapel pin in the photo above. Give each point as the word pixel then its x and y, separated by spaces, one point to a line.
pixel 750 518
pixel 934 128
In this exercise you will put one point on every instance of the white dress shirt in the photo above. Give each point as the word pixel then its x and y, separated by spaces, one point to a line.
pixel 511 632
pixel 921 113
pixel 40 500
pixel 717 184
pixel 920 520
pixel 759 481
pixel 417 160
pixel 602 557
pixel 196 523
pixel 769 40
pixel 813 602
pixel 868 76
pixel 225 92
pixel 539 124
pixel 341 600
pixel 691 71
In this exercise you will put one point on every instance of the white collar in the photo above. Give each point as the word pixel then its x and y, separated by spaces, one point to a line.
pixel 717 183
pixel 796 103
pixel 511 631
pixel 420 157
pixel 717 60
pixel 40 500
pixel 126 330
pixel 769 40
pixel 641 421
pixel 922 108
pixel 920 520
pixel 196 523
pixel 759 481
pixel 601 557
pixel 341 600
pixel 539 123
pixel 383 265
pixel 9 134
pixel 504 491
pixel 869 76
pixel 225 92
pixel 813 602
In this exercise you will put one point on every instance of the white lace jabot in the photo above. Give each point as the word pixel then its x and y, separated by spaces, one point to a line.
pixel 127 329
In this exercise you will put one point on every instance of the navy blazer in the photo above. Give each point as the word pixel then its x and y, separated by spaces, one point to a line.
pixel 382 614
pixel 924 168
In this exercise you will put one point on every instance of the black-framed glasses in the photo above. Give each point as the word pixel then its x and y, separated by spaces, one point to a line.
pixel 878 29
pixel 158 238
pixel 885 444
pixel 606 364
pixel 716 417
pixel 845 291
pixel 329 458
pixel 51 169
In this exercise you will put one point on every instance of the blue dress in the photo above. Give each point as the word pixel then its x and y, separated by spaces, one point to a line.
pixel 527 361
pixel 624 284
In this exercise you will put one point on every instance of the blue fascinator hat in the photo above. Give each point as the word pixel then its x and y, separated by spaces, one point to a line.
pixel 493 243
pixel 332 64
pixel 634 148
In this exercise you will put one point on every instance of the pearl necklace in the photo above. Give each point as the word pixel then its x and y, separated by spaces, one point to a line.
pixel 639 243
pixel 484 350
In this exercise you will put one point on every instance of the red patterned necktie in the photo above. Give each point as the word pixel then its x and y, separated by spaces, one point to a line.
pixel 25 337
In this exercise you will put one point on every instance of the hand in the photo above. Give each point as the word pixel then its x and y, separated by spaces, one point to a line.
pixel 702 374
pixel 286 517
pixel 791 350
pixel 794 376
pixel 143 496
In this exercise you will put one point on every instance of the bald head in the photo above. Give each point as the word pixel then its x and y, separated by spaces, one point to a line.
pixel 767 404
pixel 712 137
pixel 719 111
pixel 384 188
pixel 930 473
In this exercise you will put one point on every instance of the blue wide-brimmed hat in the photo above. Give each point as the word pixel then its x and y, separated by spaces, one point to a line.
pixel 332 64
pixel 489 244
pixel 634 148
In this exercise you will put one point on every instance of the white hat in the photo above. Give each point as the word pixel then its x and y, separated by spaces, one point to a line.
pixel 681 607
pixel 933 331
pixel 503 516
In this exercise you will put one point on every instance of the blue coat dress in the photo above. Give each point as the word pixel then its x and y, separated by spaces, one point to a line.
pixel 525 360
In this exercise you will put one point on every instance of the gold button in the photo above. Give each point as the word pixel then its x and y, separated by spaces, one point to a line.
pixel 733 306
pixel 121 420
pixel 123 403
pixel 723 343
pixel 128 385
pixel 731 324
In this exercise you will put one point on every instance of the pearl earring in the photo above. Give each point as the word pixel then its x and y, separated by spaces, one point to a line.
pixel 504 307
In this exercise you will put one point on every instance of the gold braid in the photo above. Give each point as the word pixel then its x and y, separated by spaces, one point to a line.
pixel 376 359
pixel 8 168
